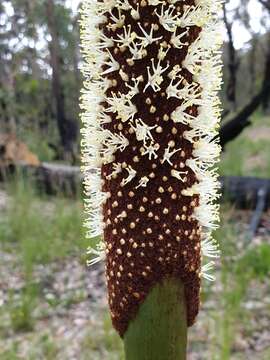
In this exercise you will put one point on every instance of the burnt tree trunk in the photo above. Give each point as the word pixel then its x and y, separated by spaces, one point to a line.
pixel 231 129
pixel 266 80
pixel 233 63
pixel 67 129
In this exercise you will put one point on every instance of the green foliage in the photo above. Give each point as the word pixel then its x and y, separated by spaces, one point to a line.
pixel 103 343
pixel 21 309
pixel 256 261
pixel 42 230
pixel 238 269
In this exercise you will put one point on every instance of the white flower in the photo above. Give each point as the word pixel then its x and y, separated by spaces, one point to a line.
pixel 180 175
pixel 148 39
pixel 112 143
pixel 118 21
pixel 112 64
pixel 206 151
pixel 176 39
pixel 131 174
pixel 168 154
pixel 117 168
pixel 143 182
pixel 127 37
pixel 156 2
pixel 121 105
pixel 162 53
pixel 143 131
pixel 155 79
pixel 167 18
pixel 134 89
pixel 205 269
pixel 137 50
pixel 207 214
pixel 124 5
pixel 193 16
pixel 104 42
pixel 190 92
pixel 210 247
pixel 117 141
pixel 104 6
pixel 99 253
pixel 150 150
pixel 180 114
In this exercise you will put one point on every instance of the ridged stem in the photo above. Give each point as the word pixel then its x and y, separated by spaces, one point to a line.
pixel 159 331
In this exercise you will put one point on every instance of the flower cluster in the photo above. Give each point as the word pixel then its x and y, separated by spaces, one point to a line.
pixel 150 113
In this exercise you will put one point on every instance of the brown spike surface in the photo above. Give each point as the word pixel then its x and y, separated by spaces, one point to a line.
pixel 159 237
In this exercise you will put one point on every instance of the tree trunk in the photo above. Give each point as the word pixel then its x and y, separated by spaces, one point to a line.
pixel 266 80
pixel 159 331
pixel 231 129
pixel 65 126
pixel 232 61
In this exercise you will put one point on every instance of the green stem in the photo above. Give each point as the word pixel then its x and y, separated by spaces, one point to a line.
pixel 159 331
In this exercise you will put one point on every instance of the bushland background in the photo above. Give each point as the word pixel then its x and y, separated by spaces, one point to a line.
pixel 51 305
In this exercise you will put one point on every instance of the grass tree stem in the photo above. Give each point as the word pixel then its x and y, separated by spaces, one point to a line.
pixel 159 331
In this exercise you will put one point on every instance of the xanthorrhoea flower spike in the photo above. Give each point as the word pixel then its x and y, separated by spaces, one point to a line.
pixel 151 112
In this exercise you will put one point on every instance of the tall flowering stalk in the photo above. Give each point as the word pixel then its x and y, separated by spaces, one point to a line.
pixel 151 113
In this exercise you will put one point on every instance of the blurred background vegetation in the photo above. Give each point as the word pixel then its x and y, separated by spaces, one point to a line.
pixel 51 305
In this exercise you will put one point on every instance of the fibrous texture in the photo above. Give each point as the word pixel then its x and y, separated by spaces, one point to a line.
pixel 150 113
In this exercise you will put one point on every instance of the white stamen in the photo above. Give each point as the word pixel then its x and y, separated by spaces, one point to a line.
pixel 143 131
pixel 122 105
pixel 118 21
pixel 99 253
pixel 131 174
pixel 143 182
pixel 155 79
pixel 117 168
pixel 167 18
pixel 179 114
pixel 176 39
pixel 112 65
pixel 148 39
pixel 210 248
pixel 162 53
pixel 205 269
pixel 150 150
pixel 178 174
pixel 168 154
pixel 126 38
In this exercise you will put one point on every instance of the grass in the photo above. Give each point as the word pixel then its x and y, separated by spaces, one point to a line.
pixel 104 343
pixel 39 230
pixel 42 230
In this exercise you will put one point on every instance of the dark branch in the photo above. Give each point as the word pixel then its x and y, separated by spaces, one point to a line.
pixel 233 63
pixel 234 127
pixel 265 3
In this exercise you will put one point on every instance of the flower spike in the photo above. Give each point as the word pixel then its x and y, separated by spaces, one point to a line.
pixel 150 115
